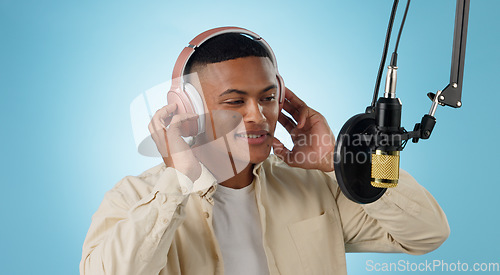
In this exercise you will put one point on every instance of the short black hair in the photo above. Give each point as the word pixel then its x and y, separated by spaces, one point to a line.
pixel 225 47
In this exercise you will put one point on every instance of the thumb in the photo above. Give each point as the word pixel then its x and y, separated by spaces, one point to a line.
pixel 280 150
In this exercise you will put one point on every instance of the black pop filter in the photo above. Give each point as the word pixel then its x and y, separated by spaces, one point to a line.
pixel 352 159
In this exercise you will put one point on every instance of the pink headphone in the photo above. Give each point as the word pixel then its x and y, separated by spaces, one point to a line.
pixel 185 96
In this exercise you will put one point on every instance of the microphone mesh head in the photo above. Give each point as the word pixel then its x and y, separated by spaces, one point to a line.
pixel 385 169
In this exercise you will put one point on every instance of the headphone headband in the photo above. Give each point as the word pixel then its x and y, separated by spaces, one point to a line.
pixel 182 60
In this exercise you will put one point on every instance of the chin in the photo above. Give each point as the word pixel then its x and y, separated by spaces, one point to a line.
pixel 259 158
pixel 253 156
pixel 247 151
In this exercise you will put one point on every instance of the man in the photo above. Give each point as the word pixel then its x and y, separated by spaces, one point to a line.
pixel 278 214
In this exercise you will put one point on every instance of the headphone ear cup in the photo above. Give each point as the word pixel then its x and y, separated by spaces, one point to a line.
pixel 184 106
pixel 281 91
pixel 196 105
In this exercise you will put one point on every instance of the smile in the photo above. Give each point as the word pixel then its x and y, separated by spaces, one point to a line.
pixel 249 136
pixel 253 139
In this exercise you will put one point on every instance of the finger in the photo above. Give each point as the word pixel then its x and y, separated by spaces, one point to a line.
pixel 294 100
pixel 170 139
pixel 280 150
pixel 156 122
pixel 297 108
pixel 287 122
pixel 184 117
pixel 155 125
pixel 166 113
pixel 183 124
pixel 304 114
pixel 301 115
pixel 162 118
pixel 289 108
pixel 158 135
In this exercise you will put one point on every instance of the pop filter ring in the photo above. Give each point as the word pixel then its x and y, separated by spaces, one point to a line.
pixel 352 159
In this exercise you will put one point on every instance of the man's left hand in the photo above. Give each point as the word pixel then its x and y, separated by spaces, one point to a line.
pixel 313 140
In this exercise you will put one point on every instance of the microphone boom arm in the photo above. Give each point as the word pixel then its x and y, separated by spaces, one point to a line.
pixel 451 95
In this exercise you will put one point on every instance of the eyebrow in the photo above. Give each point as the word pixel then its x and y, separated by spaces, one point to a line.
pixel 240 92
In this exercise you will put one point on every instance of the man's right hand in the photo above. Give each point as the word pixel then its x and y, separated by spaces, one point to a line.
pixel 176 153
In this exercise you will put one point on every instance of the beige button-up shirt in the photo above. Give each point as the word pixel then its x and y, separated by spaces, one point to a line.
pixel 153 224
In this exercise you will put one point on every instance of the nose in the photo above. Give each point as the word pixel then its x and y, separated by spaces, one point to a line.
pixel 254 113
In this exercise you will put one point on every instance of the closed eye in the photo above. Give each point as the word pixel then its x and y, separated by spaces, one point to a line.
pixel 234 102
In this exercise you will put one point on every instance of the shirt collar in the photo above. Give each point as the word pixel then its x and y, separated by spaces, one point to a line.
pixel 209 192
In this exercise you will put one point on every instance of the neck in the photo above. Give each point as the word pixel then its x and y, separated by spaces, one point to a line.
pixel 216 162
pixel 240 180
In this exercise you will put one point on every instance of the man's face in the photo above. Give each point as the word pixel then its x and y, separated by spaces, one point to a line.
pixel 242 97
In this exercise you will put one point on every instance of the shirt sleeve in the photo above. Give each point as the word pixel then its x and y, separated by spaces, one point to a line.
pixel 131 233
pixel 405 219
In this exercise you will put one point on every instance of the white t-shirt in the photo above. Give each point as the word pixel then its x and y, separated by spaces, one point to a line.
pixel 238 230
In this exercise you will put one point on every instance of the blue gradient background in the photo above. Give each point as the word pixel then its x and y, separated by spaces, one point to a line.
pixel 69 70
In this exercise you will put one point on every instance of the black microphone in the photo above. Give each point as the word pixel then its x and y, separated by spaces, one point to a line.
pixel 388 143
pixel 367 150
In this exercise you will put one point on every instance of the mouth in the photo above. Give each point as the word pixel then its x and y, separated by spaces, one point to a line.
pixel 253 137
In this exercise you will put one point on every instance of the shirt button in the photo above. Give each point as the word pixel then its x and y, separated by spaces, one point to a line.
pixel 165 220
pixel 184 190
pixel 207 215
